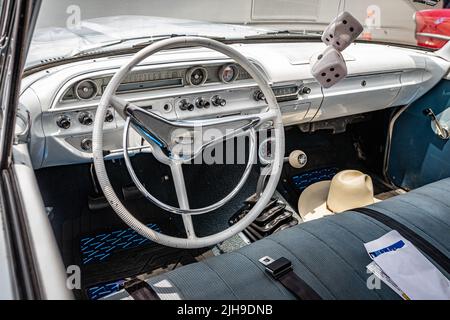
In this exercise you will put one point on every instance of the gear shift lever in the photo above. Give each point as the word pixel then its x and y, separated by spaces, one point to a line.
pixel 298 159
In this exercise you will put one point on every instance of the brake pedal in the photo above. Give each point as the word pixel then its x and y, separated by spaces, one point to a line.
pixel 131 193
pixel 97 203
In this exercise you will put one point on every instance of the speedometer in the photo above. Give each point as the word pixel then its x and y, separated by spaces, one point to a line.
pixel 228 73
pixel 196 76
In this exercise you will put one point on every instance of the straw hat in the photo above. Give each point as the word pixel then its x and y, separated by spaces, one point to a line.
pixel 347 190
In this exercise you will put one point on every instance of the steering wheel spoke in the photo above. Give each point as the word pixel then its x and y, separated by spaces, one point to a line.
pixel 119 104
pixel 185 139
pixel 183 201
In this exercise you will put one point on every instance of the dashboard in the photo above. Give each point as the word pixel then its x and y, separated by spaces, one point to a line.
pixel 195 83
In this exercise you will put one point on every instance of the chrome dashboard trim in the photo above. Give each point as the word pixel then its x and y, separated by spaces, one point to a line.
pixel 182 91
pixel 185 91
pixel 57 97
pixel 432 35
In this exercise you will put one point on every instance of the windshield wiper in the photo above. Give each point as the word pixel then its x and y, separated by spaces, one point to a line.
pixel 146 43
pixel 285 34
pixel 94 49
pixel 148 40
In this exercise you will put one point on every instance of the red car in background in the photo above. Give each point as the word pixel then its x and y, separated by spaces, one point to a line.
pixel 432 28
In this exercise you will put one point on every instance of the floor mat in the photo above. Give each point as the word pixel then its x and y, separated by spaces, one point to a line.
pixel 327 154
pixel 100 247
pixel 105 289
pixel 305 179
pixel 101 290
pixel 133 256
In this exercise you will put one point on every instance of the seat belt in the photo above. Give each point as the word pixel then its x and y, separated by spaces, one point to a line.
pixel 281 270
pixel 140 290
pixel 426 247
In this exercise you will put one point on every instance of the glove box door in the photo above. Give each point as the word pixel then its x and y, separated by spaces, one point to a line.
pixel 359 94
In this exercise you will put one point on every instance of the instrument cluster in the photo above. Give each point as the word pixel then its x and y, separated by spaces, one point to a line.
pixel 92 88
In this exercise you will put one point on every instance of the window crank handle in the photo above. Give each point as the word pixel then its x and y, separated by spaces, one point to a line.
pixel 442 132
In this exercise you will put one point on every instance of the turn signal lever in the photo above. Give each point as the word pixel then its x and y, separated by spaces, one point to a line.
pixel 442 131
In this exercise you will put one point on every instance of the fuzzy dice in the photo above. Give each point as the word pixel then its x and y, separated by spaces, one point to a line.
pixel 330 68
pixel 342 31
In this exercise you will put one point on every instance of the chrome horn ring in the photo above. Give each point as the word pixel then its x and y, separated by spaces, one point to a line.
pixel 176 210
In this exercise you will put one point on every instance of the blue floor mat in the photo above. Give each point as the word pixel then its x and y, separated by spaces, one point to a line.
pixel 304 180
pixel 98 248
pixel 103 290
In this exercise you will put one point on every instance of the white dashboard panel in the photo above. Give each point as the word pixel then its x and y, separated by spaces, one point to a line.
pixel 360 94
pixel 380 77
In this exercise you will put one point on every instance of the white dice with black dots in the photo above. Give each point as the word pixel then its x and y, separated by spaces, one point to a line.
pixel 342 31
pixel 330 68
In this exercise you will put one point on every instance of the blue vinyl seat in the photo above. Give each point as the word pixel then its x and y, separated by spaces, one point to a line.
pixel 328 254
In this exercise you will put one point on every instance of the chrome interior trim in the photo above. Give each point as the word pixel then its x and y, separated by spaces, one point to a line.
pixel 217 205
pixel 172 92
pixel 389 139
pixel 49 265
pixel 432 35
pixel 109 72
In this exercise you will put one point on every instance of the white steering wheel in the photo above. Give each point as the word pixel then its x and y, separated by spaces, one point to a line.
pixel 159 133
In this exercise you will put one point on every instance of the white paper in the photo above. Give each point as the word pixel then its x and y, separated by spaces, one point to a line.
pixel 376 270
pixel 408 268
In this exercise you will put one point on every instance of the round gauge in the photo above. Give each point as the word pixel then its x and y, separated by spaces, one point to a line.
pixel 86 89
pixel 197 76
pixel 228 73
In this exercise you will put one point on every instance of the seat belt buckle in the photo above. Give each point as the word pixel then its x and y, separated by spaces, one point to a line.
pixel 277 268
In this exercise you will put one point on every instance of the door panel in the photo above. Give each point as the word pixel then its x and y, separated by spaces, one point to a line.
pixel 17 257
pixel 418 156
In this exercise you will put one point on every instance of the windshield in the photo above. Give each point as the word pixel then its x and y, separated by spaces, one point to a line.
pixel 69 28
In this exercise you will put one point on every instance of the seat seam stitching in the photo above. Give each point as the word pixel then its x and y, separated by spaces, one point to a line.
pixel 348 230
pixel 424 210
pixel 427 195
pixel 374 221
pixel 333 222
pixel 414 225
pixel 340 256
pixel 220 277
pixel 417 191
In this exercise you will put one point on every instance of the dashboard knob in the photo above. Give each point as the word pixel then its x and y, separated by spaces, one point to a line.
pixel 109 117
pixel 185 105
pixel 86 118
pixel 305 90
pixel 202 103
pixel 217 101
pixel 63 122
pixel 258 95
